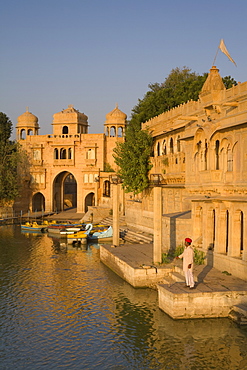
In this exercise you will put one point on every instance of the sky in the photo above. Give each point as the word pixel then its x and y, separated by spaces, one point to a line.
pixel 95 54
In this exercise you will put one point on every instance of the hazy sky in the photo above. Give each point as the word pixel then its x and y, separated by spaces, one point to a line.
pixel 96 53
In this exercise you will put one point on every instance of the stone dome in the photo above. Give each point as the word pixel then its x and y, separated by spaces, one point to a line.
pixel 27 119
pixel 116 116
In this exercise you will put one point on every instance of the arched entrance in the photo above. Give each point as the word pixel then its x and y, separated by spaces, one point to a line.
pixel 65 192
pixel 89 201
pixel 38 202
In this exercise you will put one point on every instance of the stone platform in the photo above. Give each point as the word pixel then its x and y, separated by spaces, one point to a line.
pixel 133 263
pixel 216 293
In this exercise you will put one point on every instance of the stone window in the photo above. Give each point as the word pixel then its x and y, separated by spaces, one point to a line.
pixel 158 149
pixel 91 154
pixel 65 130
pixel 56 153
pixel 171 146
pixel 63 153
pixel 217 155
pixel 164 148
pixel 113 131
pixel 178 144
pixel 86 178
pixel 229 159
pixel 69 153
pixel 206 155
pixel 107 189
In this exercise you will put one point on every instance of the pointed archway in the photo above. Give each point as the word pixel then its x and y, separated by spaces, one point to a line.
pixel 64 192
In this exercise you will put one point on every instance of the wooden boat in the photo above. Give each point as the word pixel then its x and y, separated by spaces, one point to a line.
pixel 82 235
pixel 69 230
pixel 77 237
pixel 56 228
pixel 35 227
pixel 105 235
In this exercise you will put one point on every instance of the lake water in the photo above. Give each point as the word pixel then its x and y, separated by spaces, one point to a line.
pixel 63 309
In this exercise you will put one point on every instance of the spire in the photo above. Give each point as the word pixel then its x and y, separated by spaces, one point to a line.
pixel 213 82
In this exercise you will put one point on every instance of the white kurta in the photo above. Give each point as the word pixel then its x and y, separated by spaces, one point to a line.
pixel 188 257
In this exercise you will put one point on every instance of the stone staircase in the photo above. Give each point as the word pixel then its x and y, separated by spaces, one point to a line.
pixel 130 235
pixel 239 314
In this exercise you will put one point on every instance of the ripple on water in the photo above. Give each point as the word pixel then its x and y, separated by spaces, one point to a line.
pixel 63 309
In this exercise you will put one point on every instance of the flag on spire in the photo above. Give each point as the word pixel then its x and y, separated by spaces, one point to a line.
pixel 224 50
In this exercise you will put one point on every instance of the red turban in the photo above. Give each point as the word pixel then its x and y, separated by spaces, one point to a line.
pixel 188 240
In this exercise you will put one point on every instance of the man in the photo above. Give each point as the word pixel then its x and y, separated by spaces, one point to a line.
pixel 188 258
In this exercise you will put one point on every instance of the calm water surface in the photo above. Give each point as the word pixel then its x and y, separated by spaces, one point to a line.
pixel 63 309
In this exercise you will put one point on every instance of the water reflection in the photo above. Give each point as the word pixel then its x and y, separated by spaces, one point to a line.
pixel 61 307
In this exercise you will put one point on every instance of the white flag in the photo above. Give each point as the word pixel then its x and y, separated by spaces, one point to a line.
pixel 224 50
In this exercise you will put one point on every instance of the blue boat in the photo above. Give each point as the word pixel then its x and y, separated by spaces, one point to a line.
pixel 35 227
pixel 105 235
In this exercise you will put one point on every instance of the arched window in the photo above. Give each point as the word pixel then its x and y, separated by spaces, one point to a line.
pixel 23 134
pixel 158 149
pixel 107 189
pixel 241 232
pixel 227 230
pixel 120 132
pixel 206 155
pixel 164 148
pixel 55 153
pixel 178 144
pixel 62 153
pixel 217 155
pixel 229 159
pixel 69 153
pixel 65 130
pixel 171 145
pixel 113 131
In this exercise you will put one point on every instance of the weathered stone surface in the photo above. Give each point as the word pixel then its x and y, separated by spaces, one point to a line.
pixel 134 265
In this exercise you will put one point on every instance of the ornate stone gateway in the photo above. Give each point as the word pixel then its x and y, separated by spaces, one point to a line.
pixel 65 192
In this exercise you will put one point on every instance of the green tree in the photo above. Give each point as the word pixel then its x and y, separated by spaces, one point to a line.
pixel 133 159
pixel 229 82
pixel 9 158
pixel 180 86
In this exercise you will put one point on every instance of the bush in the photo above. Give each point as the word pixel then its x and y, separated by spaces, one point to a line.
pixel 199 257
pixel 165 258
pixel 179 250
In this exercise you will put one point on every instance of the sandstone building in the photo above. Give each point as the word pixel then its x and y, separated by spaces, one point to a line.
pixel 200 163
pixel 70 167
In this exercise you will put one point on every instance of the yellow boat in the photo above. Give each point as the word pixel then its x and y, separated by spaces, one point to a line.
pixel 35 227
pixel 77 237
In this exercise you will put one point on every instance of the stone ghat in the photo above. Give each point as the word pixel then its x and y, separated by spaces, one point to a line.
pixel 180 302
pixel 216 293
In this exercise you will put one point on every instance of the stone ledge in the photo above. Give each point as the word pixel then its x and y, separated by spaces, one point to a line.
pixel 203 302
pixel 144 276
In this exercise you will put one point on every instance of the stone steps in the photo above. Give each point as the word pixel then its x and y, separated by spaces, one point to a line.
pixel 176 277
pixel 129 235
pixel 239 314
pixel 135 236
